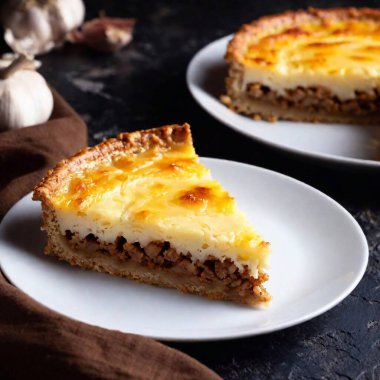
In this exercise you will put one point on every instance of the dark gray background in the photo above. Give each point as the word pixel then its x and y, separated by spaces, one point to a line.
pixel 143 86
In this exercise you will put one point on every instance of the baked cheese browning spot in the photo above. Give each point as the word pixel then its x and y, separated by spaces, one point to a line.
pixel 372 49
pixel 262 61
pixel 144 215
pixel 123 163
pixel 197 195
pixel 207 198
pixel 359 58
pixel 180 165
pixel 324 45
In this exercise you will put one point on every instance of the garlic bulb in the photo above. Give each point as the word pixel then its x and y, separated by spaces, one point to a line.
pixel 25 97
pixel 37 26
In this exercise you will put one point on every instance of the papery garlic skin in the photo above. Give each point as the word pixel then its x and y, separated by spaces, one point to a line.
pixel 105 34
pixel 37 27
pixel 25 100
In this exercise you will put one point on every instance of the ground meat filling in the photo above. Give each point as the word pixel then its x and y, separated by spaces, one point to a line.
pixel 318 99
pixel 159 255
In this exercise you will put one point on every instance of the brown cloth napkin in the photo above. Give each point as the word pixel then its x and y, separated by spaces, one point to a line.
pixel 37 343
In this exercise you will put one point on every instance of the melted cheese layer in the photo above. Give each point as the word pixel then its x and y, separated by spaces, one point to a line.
pixel 342 56
pixel 164 196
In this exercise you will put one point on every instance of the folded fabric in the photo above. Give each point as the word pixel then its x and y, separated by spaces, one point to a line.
pixel 38 343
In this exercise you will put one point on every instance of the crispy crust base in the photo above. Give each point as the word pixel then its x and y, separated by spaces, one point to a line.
pixel 126 144
pixel 262 110
pixel 238 100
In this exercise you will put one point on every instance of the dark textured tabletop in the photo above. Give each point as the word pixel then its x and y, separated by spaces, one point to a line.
pixel 144 86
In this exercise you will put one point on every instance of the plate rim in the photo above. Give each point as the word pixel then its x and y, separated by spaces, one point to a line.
pixel 324 157
pixel 244 332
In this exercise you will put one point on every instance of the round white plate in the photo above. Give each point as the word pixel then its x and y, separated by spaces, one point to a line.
pixel 350 144
pixel 319 254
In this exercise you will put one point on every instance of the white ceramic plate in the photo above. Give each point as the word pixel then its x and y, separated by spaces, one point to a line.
pixel 350 144
pixel 319 254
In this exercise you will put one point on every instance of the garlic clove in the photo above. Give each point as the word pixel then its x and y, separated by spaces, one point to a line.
pixel 104 34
